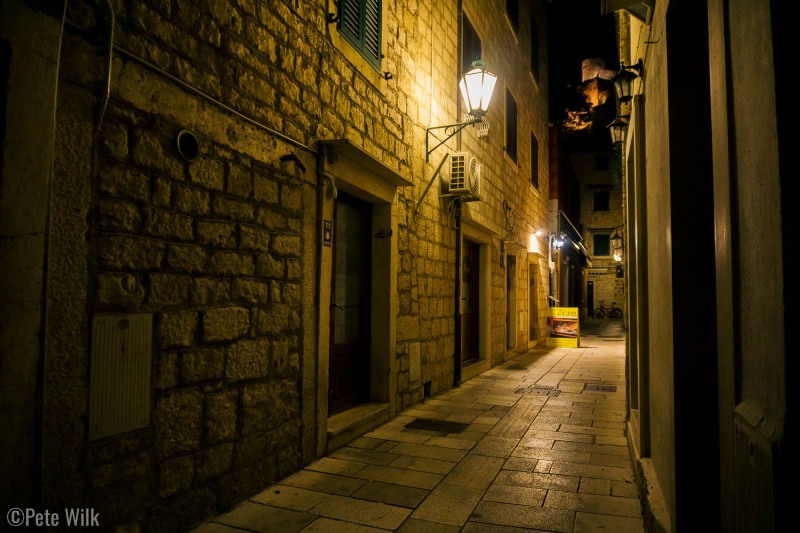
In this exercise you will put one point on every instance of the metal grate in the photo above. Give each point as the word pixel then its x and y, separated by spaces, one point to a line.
pixel 442 426
pixel 540 390
pixel 600 388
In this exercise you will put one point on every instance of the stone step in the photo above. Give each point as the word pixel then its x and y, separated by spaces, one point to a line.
pixel 346 426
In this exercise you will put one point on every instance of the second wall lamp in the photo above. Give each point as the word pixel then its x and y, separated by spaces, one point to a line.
pixel 623 81
pixel 619 130
pixel 616 245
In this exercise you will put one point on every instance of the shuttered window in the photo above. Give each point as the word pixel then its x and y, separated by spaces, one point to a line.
pixel 360 23
pixel 511 126
pixel 534 161
pixel 534 48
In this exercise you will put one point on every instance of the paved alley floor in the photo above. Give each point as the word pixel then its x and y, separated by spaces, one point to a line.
pixel 535 444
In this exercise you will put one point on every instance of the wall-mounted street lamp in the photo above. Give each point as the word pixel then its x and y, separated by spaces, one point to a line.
pixel 557 241
pixel 619 130
pixel 616 245
pixel 623 81
pixel 477 86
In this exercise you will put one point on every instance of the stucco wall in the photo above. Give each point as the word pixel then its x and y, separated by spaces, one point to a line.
pixel 659 259
pixel 24 181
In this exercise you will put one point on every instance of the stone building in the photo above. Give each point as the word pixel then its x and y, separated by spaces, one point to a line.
pixel 601 221
pixel 221 256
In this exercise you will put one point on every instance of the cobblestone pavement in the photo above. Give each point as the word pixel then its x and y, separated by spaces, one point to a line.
pixel 535 444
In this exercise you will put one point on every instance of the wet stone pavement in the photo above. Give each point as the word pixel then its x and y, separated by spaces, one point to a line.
pixel 535 444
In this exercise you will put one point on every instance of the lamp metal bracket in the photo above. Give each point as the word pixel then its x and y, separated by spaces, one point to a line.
pixel 449 130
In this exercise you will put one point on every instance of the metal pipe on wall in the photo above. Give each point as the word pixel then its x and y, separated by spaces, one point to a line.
pixel 457 340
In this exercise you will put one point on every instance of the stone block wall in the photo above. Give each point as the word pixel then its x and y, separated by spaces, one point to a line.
pixel 211 248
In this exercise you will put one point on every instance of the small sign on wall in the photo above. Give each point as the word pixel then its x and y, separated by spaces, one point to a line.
pixel 327 233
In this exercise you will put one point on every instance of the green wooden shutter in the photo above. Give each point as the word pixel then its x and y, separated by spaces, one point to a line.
pixel 360 23
pixel 372 32
pixel 350 20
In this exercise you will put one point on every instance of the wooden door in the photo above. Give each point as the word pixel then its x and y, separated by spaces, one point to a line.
pixel 350 305
pixel 470 311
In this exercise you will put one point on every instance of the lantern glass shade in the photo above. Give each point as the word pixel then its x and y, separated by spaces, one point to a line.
pixel 619 130
pixel 477 87
pixel 616 246
pixel 623 85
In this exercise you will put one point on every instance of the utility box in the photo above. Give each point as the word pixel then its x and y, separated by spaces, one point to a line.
pixel 119 384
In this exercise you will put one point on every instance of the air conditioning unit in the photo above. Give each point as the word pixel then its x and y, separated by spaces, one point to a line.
pixel 465 175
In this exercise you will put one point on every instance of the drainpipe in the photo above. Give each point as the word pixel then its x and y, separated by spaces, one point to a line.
pixel 457 343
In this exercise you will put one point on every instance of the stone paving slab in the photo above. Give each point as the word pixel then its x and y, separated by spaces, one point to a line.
pixel 538 480
pixel 602 472
pixel 626 489
pixel 327 483
pixel 396 435
pixel 264 518
pixel 610 439
pixel 362 512
pixel 359 455
pixel 480 527
pixel 621 461
pixel 367 443
pixel 595 486
pixel 431 452
pixel 215 527
pixel 608 424
pixel 289 497
pixel 450 442
pixel 472 436
pixel 518 495
pixel 506 514
pixel 423 464
pixel 559 435
pixel 591 523
pixel 327 525
pixel 552 455
pixel 449 504
pixel 400 476
pixel 593 503
pixel 398 495
pixel 591 430
pixel 332 465
pixel 474 471
pixel 413 525
pixel 603 449
pixel 520 463
pixel 496 446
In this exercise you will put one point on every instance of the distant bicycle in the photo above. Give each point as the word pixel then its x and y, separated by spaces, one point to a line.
pixel 611 310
